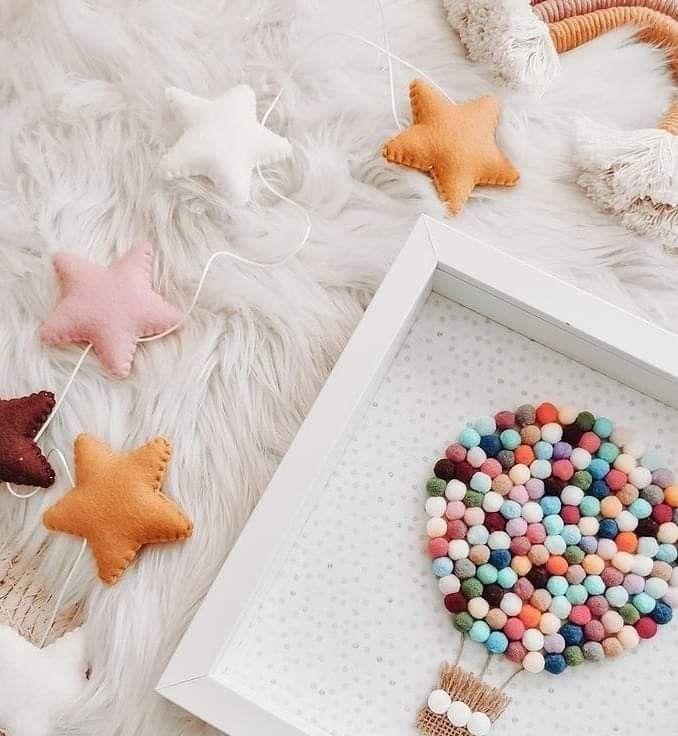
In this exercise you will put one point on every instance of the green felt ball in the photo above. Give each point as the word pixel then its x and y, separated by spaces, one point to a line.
pixel 608 452
pixel 629 614
pixel 463 621
pixel 573 655
pixel 585 421
pixel 644 603
pixel 436 487
pixel 582 479
pixel 589 506
pixel 487 574
pixel 576 594
pixel 471 588
pixel 574 555
pixel 473 499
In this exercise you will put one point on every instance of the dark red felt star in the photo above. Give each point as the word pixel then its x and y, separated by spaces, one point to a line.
pixel 21 460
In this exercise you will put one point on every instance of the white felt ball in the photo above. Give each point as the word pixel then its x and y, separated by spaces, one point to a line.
pixel 642 565
pixel 449 584
pixel 623 561
pixel 549 623
pixel 647 546
pixel 572 496
pixel 458 714
pixel 476 457
pixel 674 576
pixel 612 622
pixel 540 469
pixel 511 604
pixel 455 490
pixel 532 512
pixel 519 474
pixel 439 701
pixel 458 549
pixel 668 533
pixel 435 506
pixel 621 436
pixel 640 477
pixel 436 527
pixel 580 458
pixel 588 526
pixel 607 549
pixel 555 544
pixel 473 515
pixel 478 607
pixel 625 463
pixel 533 662
pixel 533 640
pixel 671 597
pixel 635 448
pixel 626 521
pixel 628 637
pixel 552 432
pixel 656 587
pixel 478 724
pixel 499 540
pixel 477 535
pixel 492 501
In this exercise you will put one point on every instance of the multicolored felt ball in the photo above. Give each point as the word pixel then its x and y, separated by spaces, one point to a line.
pixel 554 535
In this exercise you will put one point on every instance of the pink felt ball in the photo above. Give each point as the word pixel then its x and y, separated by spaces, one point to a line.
pixel 594 630
pixel 536 533
pixel 580 615
pixel 519 495
pixel 505 420
pixel 437 547
pixel 456 453
pixel 616 480
pixel 455 510
pixel 575 574
pixel 456 529
pixel 514 629
pixel 516 527
pixel 516 652
pixel 598 605
pixel 523 589
pixel 590 442
pixel 662 513
pixel 520 546
pixel 473 516
pixel 491 467
pixel 612 577
pixel 570 514
pixel 562 469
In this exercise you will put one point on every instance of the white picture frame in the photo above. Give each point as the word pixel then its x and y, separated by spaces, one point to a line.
pixel 435 258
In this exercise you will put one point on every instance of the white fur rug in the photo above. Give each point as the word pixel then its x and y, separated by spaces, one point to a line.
pixel 84 123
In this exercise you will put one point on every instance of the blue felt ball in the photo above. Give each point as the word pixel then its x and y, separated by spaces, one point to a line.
pixel 550 505
pixel 603 427
pixel 598 489
pixel 608 529
pixel 469 438
pixel 490 444
pixel 640 508
pixel 497 642
pixel 662 613
pixel 667 553
pixel 484 425
pixel 507 577
pixel 553 524
pixel 588 545
pixel 571 534
pixel 442 566
pixel 543 450
pixel 572 634
pixel 479 632
pixel 598 468
pixel 500 558
pixel 511 509
pixel 555 663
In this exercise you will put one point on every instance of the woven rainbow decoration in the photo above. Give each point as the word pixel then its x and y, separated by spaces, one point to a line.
pixel 632 174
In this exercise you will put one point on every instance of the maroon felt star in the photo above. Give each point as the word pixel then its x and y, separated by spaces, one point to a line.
pixel 21 460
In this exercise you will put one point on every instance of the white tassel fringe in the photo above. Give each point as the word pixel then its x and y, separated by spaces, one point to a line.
pixel 508 36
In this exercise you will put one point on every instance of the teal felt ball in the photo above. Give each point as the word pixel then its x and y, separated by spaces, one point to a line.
pixel 553 524
pixel 487 574
pixel 543 450
pixel 557 585
pixel 479 632
pixel 442 566
pixel 469 438
pixel 603 427
pixel 640 508
pixel 644 602
pixel 589 506
pixel 571 534
pixel 667 553
pixel 507 578
pixel 576 594
pixel 510 439
pixel 608 452
pixel 594 585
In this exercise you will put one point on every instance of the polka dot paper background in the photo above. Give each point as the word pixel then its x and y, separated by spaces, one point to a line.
pixel 349 633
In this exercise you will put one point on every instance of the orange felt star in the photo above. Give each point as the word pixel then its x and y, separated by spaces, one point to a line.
pixel 117 505
pixel 455 144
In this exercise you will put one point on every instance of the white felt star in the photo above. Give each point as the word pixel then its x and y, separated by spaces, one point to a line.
pixel 222 140
pixel 38 686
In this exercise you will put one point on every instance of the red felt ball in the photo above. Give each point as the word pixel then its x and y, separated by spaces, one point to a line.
pixel 516 652
pixel 580 615
pixel 455 602
pixel 464 471
pixel 590 442
pixel 616 480
pixel 514 629
pixel 520 546
pixel 547 413
pixel 611 577
pixel 505 420
pixel 570 514
pixel 456 529
pixel 437 547
pixel 494 521
pixel 594 630
pixel 662 513
pixel 456 453
pixel 598 605
pixel 646 627
pixel 562 469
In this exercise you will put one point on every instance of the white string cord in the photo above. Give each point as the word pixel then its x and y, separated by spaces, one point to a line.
pixel 83 546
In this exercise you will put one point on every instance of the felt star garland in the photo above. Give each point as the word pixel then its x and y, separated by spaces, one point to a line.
pixel 222 140
pixel 39 686
pixel 117 504
pixel 455 144
pixel 110 307
pixel 21 460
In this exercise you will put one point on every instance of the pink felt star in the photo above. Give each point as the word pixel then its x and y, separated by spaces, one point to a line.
pixel 110 307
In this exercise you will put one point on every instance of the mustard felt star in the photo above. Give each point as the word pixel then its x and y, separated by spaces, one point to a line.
pixel 455 144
